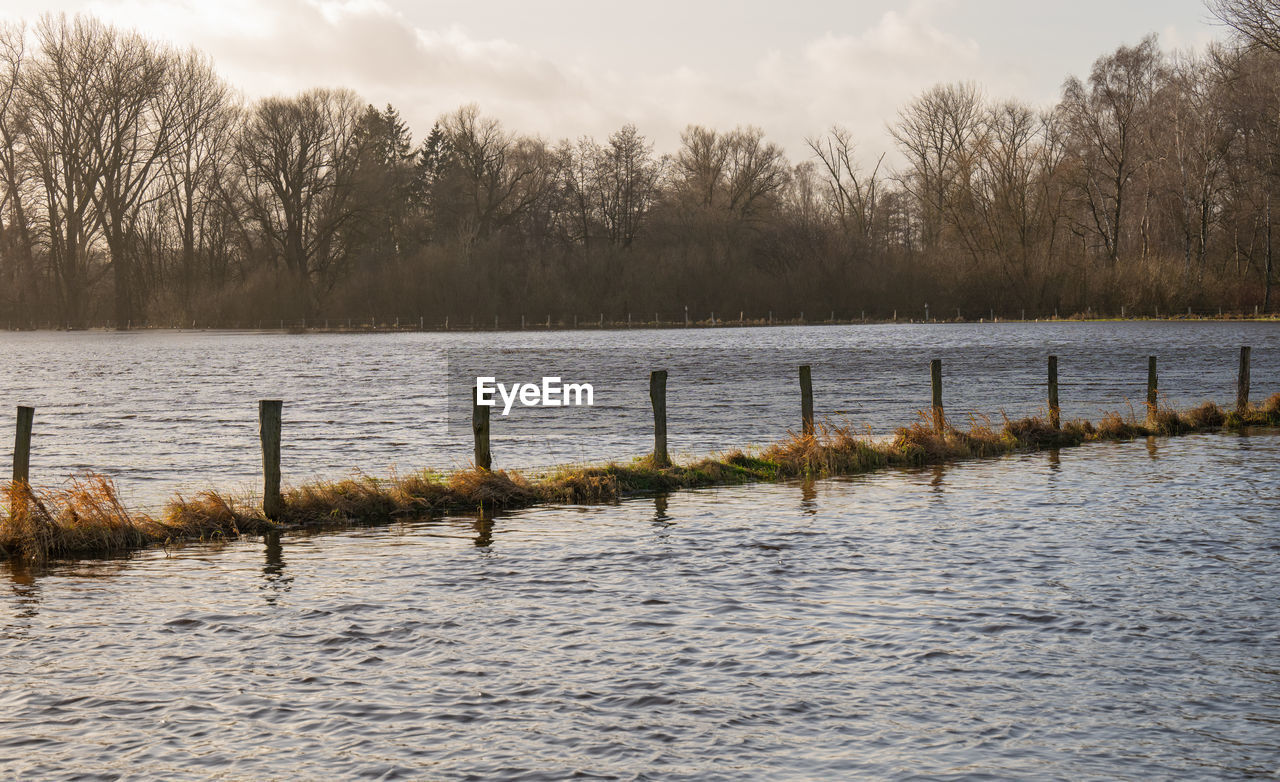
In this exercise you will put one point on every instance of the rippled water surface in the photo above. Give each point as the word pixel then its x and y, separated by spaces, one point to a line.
pixel 166 410
pixel 1109 612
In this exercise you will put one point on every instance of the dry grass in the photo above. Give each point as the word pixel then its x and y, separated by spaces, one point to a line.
pixel 87 517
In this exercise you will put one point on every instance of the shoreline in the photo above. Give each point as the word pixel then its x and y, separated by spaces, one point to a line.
pixel 87 518
pixel 595 325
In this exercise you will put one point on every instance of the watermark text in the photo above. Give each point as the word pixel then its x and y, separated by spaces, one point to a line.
pixel 552 392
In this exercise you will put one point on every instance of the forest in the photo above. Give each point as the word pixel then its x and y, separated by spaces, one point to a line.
pixel 138 189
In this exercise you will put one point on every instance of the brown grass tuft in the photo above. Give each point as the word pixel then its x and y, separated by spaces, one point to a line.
pixel 1036 433
pixel 1167 423
pixel 1207 416
pixel 491 488
pixel 1270 410
pixel 84 517
pixel 1113 427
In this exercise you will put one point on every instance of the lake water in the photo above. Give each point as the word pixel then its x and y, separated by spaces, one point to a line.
pixel 162 411
pixel 1109 612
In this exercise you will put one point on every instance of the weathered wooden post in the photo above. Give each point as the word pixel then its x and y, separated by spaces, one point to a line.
pixel 935 375
pixel 806 400
pixel 1242 382
pixel 269 432
pixel 480 428
pixel 1055 413
pixel 658 396
pixel 22 446
pixel 1153 387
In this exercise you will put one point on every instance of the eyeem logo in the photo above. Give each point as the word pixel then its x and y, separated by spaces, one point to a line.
pixel 552 393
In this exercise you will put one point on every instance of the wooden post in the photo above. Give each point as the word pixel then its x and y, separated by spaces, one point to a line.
pixel 22 446
pixel 1242 383
pixel 806 400
pixel 480 428
pixel 658 396
pixel 1055 413
pixel 269 432
pixel 1152 387
pixel 935 376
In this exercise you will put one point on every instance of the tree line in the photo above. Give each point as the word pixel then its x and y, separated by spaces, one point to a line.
pixel 137 188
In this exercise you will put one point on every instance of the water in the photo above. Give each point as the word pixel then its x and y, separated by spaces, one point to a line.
pixel 1108 612
pixel 177 410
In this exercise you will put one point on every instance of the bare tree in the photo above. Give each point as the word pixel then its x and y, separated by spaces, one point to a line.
pixel 627 176
pixel 852 195
pixel 202 122
pixel 938 132
pixel 1257 21
pixel 297 159
pixel 132 92
pixel 66 123
pixel 492 177
pixel 1107 119
pixel 737 173
pixel 17 263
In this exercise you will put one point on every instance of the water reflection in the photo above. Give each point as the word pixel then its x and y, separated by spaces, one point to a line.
pixel 1055 460
pixel 936 483
pixel 1153 448
pixel 276 579
pixel 660 517
pixel 484 530
pixel 25 589
pixel 809 497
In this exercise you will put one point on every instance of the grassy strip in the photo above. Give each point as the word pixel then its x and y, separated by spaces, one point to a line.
pixel 86 517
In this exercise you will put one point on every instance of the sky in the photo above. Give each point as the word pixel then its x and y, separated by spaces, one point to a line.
pixel 586 67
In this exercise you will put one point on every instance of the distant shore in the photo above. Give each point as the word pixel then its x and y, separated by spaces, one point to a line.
pixel 352 326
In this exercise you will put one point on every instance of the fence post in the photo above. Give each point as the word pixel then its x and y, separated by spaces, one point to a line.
pixel 480 428
pixel 806 400
pixel 22 446
pixel 1153 387
pixel 1055 413
pixel 269 432
pixel 1242 383
pixel 658 396
pixel 935 376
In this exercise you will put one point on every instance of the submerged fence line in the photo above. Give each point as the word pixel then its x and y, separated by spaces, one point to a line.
pixel 87 516
pixel 270 422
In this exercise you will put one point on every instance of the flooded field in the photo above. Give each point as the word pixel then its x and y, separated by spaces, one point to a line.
pixel 1103 612
pixel 162 411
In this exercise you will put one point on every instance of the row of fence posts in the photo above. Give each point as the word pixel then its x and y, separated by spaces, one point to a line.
pixel 270 418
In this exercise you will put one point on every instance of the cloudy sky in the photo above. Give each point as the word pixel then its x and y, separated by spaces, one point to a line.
pixel 566 68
